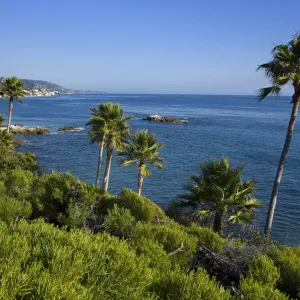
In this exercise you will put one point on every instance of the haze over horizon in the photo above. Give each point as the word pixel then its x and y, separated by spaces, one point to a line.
pixel 150 47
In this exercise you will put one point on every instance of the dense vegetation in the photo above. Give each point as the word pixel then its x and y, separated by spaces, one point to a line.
pixel 64 239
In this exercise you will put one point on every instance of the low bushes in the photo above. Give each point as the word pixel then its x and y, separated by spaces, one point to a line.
pixel 170 238
pixel 176 285
pixel 11 209
pixel 262 269
pixel 119 221
pixel 141 207
pixel 62 199
pixel 254 290
pixel 38 261
pixel 159 260
pixel 287 260
pixel 207 237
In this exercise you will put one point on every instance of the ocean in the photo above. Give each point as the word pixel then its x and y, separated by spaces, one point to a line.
pixel 238 127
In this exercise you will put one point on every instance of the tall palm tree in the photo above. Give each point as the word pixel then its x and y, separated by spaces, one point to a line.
pixel 116 133
pixel 282 70
pixel 219 192
pixel 98 123
pixel 141 150
pixel 12 88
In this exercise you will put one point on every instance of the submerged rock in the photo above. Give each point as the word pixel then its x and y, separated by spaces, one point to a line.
pixel 164 119
pixel 68 128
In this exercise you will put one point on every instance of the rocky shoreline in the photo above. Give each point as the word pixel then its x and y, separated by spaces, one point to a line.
pixel 21 129
pixel 164 119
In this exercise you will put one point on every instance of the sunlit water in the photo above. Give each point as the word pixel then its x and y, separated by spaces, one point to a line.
pixel 247 132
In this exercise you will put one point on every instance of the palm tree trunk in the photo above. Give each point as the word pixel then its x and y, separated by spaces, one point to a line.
pixel 140 181
pixel 218 222
pixel 101 146
pixel 279 173
pixel 107 169
pixel 10 108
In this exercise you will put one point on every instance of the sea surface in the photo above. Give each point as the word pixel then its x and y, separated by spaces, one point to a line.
pixel 248 132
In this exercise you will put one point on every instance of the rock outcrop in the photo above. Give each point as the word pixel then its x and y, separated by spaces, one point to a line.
pixel 164 119
pixel 68 128
pixel 17 129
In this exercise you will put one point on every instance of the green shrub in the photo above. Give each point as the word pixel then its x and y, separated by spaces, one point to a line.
pixel 11 160
pixel 63 199
pixel 287 260
pixel 177 285
pixel 207 237
pixel 263 270
pixel 39 261
pixel 141 208
pixel 12 209
pixel 119 221
pixel 254 290
pixel 18 183
pixel 159 259
pixel 105 202
pixel 170 237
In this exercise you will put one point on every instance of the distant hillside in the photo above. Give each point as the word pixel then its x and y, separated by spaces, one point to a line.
pixel 31 84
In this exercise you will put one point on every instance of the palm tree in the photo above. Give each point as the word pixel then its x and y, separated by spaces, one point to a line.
pixel 141 150
pixel 282 70
pixel 219 192
pixel 98 123
pixel 117 130
pixel 12 88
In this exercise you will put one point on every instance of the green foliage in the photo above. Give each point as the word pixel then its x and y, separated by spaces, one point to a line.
pixel 254 290
pixel 1 119
pixel 170 237
pixel 10 160
pixel 220 192
pixel 287 260
pixel 38 261
pixel 140 207
pixel 283 69
pixel 63 199
pixel 207 237
pixel 6 139
pixel 142 150
pixel 177 285
pixel 12 209
pixel 263 270
pixel 18 183
pixel 159 260
pixel 119 221
pixel 12 87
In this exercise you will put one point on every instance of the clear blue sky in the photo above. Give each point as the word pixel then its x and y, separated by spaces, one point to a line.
pixel 147 46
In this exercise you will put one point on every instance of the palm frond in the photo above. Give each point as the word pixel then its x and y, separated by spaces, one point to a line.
pixel 264 92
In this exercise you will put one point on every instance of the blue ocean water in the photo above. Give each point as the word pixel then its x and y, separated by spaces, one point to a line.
pixel 247 132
